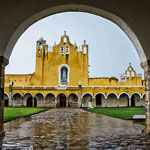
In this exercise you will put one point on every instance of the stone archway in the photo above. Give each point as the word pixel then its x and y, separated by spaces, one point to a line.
pixel 6 100
pixel 100 99
pixel 124 100
pixel 101 8
pixel 39 100
pixel 73 100
pixel 111 100
pixel 62 100
pixel 86 100
pixel 50 100
pixel 136 100
pixel 27 100
pixel 17 100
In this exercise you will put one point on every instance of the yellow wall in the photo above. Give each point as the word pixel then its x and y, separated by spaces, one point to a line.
pixel 46 74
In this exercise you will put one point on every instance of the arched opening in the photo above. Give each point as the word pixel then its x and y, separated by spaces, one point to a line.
pixel 61 100
pixel 99 99
pixel 73 100
pixel 35 102
pixel 136 100
pixel 6 100
pixel 124 100
pixel 112 100
pixel 17 100
pixel 143 100
pixel 50 100
pixel 28 100
pixel 39 98
pixel 87 100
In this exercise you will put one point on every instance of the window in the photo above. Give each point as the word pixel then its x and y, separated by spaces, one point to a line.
pixel 61 49
pixel 67 49
pixel 64 74
pixel 65 39
pixel 84 50
pixel 39 51
pixel 39 45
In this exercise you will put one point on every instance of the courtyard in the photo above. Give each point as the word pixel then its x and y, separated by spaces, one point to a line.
pixel 65 128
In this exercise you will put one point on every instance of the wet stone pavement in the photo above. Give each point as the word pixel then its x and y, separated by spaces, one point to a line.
pixel 73 129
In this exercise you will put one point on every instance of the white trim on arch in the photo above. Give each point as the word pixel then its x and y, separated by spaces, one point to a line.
pixel 17 93
pixel 87 93
pixel 100 93
pixel 112 93
pixel 50 93
pixel 136 93
pixel 6 94
pixel 124 93
pixel 72 93
pixel 60 94
pixel 39 93
pixel 27 93
pixel 59 71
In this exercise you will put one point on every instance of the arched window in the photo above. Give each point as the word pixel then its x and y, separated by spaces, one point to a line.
pixel 84 50
pixel 67 49
pixel 64 74
pixel 61 49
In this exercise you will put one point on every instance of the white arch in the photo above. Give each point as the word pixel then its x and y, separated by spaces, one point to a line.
pixel 100 93
pixel 74 7
pixel 17 93
pixel 6 94
pixel 27 93
pixel 39 93
pixel 87 93
pixel 112 93
pixel 72 93
pixel 60 94
pixel 49 93
pixel 124 93
pixel 136 93
pixel 59 70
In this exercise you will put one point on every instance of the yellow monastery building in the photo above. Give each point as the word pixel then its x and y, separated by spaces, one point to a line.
pixel 61 80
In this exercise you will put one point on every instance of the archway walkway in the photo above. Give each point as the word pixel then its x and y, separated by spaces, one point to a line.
pixel 72 129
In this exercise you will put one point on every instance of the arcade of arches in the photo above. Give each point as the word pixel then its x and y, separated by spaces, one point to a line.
pixel 69 85
pixel 132 17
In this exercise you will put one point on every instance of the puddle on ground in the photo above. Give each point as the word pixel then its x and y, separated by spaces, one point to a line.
pixel 70 129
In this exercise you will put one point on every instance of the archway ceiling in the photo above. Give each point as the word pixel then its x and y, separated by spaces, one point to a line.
pixel 17 15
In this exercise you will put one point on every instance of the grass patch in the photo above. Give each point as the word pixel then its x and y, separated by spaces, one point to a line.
pixel 125 113
pixel 11 113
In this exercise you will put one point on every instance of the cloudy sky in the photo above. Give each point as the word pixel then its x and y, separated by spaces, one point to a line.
pixel 110 50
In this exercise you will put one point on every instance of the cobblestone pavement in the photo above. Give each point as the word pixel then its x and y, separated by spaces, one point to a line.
pixel 73 129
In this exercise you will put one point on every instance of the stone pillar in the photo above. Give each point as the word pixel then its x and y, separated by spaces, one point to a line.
pixel 66 102
pixel 3 63
pixel 105 102
pixel 93 102
pixel 129 101
pixel 118 103
pixel 146 66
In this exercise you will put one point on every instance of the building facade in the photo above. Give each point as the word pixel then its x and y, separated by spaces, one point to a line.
pixel 61 80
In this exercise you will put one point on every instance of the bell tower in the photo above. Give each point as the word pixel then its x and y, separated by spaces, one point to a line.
pixel 41 52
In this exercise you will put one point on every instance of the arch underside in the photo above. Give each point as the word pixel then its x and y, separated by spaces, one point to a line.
pixel 37 15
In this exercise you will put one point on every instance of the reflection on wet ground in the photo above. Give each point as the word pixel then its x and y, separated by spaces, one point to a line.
pixel 72 129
